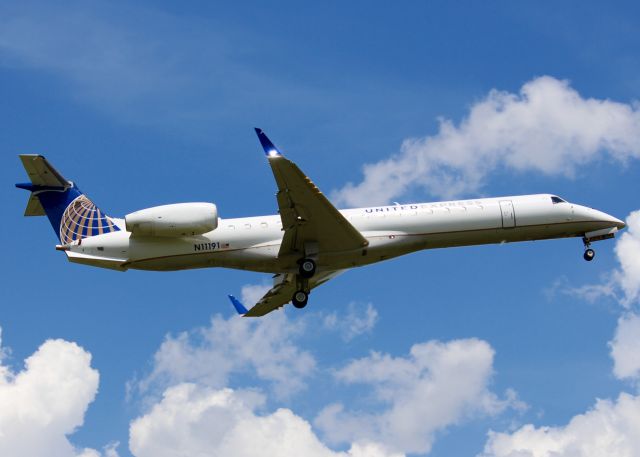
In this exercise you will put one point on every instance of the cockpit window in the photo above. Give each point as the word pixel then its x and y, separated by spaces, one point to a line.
pixel 555 200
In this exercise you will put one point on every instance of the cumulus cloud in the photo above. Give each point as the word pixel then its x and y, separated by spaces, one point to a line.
pixel 436 385
pixel 265 347
pixel 548 127
pixel 610 428
pixel 623 284
pixel 4 353
pixel 196 420
pixel 252 293
pixel 357 320
pixel 627 277
pixel 625 348
pixel 46 401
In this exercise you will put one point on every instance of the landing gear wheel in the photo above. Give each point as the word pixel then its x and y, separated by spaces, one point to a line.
pixel 307 268
pixel 589 254
pixel 300 299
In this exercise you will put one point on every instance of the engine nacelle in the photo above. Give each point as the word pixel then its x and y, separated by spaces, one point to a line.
pixel 180 219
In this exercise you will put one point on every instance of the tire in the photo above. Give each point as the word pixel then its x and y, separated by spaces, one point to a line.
pixel 300 299
pixel 307 268
pixel 589 254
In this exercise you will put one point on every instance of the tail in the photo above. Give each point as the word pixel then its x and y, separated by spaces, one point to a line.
pixel 72 215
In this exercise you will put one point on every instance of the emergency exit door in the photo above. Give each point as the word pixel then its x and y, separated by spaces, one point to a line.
pixel 508 214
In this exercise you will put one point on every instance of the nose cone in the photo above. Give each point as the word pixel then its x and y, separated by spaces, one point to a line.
pixel 614 221
pixel 620 224
pixel 600 216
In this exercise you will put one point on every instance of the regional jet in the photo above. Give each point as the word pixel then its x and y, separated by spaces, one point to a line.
pixel 307 243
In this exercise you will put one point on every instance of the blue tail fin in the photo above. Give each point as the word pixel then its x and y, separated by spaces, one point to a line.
pixel 72 215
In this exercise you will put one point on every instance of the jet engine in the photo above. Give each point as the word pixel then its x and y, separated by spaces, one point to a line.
pixel 180 219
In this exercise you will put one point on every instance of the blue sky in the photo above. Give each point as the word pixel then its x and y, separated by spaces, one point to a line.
pixel 149 103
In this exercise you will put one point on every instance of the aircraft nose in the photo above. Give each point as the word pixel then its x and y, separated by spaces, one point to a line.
pixel 620 224
pixel 604 217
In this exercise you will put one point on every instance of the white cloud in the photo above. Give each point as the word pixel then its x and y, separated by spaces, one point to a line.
pixel 589 292
pixel 357 320
pixel 609 429
pixel 4 353
pixel 197 421
pixel 252 293
pixel 627 276
pixel 548 127
pixel 147 66
pixel 46 401
pixel 625 347
pixel 109 58
pixel 621 285
pixel 437 385
pixel 209 356
pixel 138 64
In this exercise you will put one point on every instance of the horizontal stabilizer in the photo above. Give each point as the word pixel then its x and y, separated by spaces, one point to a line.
pixel 34 207
pixel 41 172
pixel 240 308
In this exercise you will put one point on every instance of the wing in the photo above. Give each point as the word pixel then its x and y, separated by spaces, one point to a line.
pixel 311 223
pixel 284 285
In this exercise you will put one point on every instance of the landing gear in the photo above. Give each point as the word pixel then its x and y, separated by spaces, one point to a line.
pixel 589 253
pixel 300 299
pixel 307 268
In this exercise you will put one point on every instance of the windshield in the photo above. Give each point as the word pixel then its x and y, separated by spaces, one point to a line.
pixel 555 200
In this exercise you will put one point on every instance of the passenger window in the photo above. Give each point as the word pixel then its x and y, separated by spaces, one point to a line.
pixel 247 226
pixel 231 227
pixel 263 224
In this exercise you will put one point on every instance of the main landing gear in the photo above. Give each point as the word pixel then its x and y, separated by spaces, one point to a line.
pixel 589 253
pixel 300 299
pixel 306 269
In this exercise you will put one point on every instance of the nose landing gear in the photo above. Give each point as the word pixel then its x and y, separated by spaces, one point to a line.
pixel 589 253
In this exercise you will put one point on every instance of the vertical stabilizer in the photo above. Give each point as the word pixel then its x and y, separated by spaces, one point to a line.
pixel 71 214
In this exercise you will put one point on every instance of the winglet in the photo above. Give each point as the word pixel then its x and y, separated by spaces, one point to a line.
pixel 238 306
pixel 269 148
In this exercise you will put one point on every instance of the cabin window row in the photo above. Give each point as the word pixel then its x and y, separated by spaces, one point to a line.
pixel 262 225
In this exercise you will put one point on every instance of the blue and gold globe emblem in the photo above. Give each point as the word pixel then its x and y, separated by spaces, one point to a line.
pixel 82 219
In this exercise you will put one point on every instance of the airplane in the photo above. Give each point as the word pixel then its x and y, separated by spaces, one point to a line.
pixel 308 243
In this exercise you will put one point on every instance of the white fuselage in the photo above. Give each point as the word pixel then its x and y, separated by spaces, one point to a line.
pixel 252 243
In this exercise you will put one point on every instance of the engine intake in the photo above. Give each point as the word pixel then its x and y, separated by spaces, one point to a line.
pixel 180 219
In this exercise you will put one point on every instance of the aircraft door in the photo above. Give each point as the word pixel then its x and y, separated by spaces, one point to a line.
pixel 508 214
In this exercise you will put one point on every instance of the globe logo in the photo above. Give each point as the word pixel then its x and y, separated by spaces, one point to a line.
pixel 83 219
